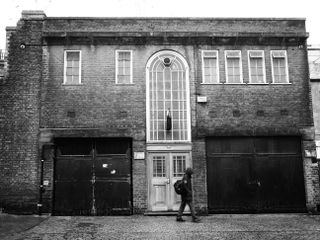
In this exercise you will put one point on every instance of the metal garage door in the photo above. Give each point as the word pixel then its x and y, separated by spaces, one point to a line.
pixel 260 174
pixel 92 177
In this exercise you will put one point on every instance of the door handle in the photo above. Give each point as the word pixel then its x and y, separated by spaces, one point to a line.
pixel 255 182
pixel 168 180
pixel 258 183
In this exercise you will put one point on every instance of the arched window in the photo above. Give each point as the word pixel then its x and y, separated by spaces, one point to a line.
pixel 168 106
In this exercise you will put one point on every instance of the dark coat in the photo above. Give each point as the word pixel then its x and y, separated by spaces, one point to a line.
pixel 187 194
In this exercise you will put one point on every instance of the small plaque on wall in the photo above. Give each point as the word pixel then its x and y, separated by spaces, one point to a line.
pixel 201 99
pixel 139 155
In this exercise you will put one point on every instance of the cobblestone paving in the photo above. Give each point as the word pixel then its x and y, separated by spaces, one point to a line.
pixel 265 226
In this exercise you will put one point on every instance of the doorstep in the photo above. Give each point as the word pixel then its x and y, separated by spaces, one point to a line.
pixel 163 213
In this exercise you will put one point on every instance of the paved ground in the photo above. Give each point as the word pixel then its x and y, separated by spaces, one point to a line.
pixel 236 226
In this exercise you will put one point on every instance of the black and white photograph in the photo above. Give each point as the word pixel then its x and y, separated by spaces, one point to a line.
pixel 149 119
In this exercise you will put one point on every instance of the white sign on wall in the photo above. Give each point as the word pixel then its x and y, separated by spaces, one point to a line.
pixel 138 155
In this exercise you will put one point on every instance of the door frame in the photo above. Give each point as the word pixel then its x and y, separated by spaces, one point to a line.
pixel 164 149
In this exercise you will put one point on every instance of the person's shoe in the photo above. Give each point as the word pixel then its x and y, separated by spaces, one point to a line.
pixel 180 219
pixel 196 220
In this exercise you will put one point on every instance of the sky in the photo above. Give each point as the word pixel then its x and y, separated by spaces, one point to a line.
pixel 308 9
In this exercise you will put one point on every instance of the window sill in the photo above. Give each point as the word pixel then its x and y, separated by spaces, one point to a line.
pixel 211 83
pixel 235 83
pixel 126 84
pixel 258 83
pixel 281 83
pixel 74 84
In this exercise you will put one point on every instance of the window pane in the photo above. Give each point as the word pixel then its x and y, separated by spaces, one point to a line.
pixel 72 66
pixel 127 64
pixel 75 71
pixel 279 70
pixel 124 67
pixel 75 80
pixel 256 69
pixel 210 74
pixel 69 72
pixel 74 146
pixel 159 167
pixel 68 79
pixel 233 70
pixel 73 56
pixel 179 165
pixel 124 56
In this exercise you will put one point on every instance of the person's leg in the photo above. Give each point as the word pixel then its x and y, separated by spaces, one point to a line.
pixel 193 212
pixel 181 209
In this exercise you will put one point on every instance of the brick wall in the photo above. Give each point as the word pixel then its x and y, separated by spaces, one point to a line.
pixel 216 116
pixel 20 127
pixel 37 104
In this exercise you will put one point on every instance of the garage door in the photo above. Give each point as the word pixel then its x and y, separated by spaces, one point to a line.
pixel 261 174
pixel 92 177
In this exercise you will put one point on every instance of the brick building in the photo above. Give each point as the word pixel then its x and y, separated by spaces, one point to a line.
pixel 101 115
pixel 314 66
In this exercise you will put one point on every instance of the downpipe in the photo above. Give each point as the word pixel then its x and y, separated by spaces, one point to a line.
pixel 41 188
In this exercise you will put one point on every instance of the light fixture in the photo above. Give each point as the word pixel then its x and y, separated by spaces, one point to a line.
pixel 167 62
pixel 22 46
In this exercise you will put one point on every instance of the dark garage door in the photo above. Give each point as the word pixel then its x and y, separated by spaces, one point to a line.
pixel 92 177
pixel 260 174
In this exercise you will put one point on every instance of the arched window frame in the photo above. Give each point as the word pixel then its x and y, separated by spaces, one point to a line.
pixel 154 60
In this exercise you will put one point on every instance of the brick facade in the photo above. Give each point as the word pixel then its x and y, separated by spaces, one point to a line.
pixel 38 106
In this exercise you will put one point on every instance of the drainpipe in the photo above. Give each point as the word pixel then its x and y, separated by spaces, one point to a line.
pixel 41 189
pixel 44 156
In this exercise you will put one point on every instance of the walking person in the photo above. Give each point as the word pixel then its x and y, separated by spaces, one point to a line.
pixel 186 197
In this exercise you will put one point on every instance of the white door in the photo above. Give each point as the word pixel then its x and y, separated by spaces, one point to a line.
pixel 165 169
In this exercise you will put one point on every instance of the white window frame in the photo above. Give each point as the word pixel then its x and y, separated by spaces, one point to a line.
pixel 263 66
pixel 240 65
pixel 216 52
pixel 160 55
pixel 318 149
pixel 286 62
pixel 131 65
pixel 65 67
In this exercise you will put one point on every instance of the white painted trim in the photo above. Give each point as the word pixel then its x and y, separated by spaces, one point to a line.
pixel 217 66
pixel 226 65
pixel 168 147
pixel 242 83
pixel 263 66
pixel 116 65
pixel 318 148
pixel 211 83
pixel 287 66
pixel 65 66
pixel 258 83
pixel 186 65
pixel 281 83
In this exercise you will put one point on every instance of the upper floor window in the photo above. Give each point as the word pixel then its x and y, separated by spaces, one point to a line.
pixel 210 67
pixel 168 101
pixel 279 66
pixel 256 66
pixel 123 66
pixel 233 66
pixel 72 67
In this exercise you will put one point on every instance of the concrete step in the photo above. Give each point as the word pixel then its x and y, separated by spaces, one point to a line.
pixel 163 213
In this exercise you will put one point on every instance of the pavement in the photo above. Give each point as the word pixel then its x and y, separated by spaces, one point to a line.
pixel 217 226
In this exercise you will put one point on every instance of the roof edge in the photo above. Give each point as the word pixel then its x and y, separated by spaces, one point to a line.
pixel 178 18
